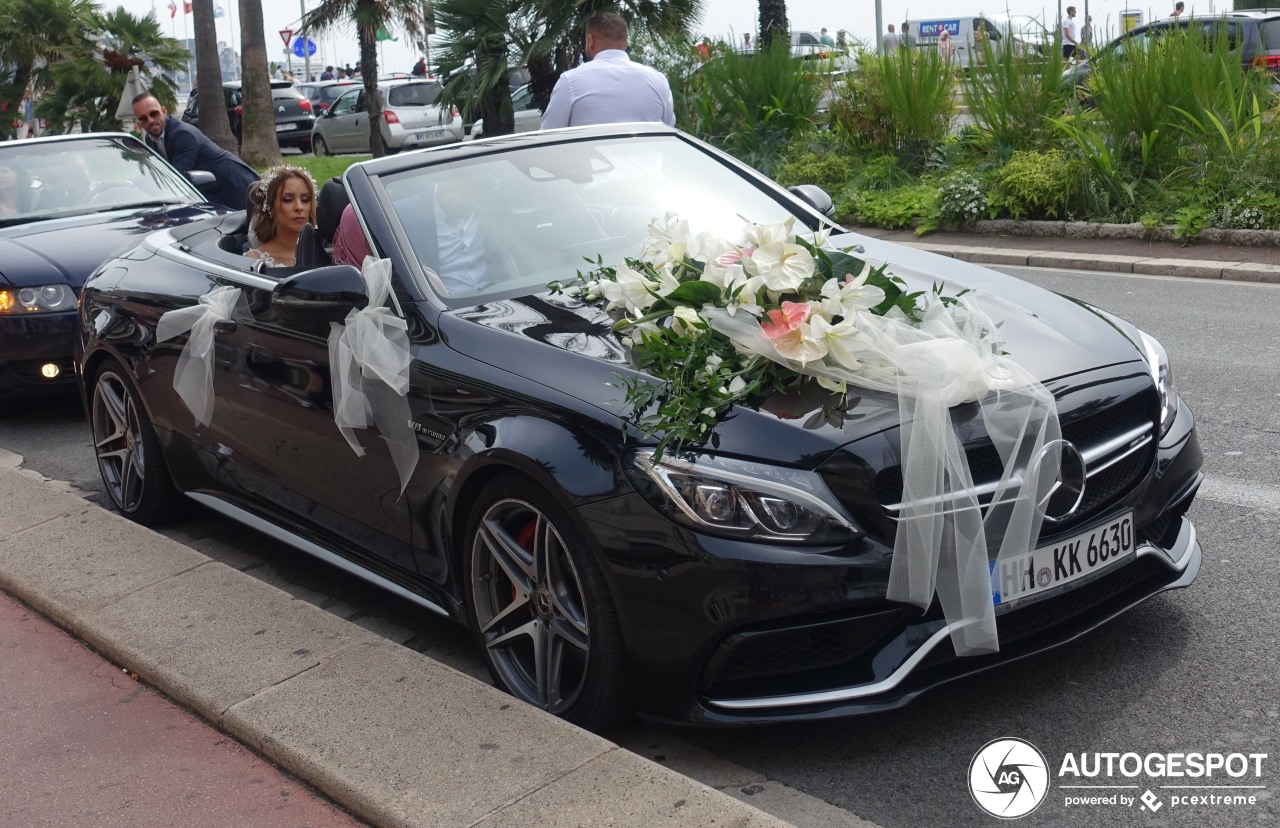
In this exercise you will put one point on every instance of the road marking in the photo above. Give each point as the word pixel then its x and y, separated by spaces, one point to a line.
pixel 1263 496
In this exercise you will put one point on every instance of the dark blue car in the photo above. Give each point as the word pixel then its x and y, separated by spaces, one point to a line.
pixel 67 204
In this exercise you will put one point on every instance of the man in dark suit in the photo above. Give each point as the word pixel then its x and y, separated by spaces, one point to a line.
pixel 187 149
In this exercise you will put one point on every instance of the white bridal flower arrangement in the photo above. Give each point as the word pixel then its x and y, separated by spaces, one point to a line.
pixel 721 322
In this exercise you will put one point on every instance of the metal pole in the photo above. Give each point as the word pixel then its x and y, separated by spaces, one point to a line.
pixel 879 26
pixel 306 52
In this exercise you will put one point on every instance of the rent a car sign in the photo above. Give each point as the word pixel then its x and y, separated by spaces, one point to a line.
pixel 935 28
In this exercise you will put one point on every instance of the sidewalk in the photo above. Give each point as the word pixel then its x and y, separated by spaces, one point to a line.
pixel 392 736
pixel 1198 260
pixel 83 743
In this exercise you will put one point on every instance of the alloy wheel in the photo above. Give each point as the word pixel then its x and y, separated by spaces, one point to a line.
pixel 530 607
pixel 118 442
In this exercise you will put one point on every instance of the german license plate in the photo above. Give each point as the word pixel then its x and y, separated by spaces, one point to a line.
pixel 285 127
pixel 1048 567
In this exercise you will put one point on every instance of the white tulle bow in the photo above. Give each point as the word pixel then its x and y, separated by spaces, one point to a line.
pixel 369 365
pixel 944 538
pixel 193 377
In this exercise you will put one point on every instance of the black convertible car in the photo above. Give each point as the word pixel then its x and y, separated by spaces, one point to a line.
pixel 76 200
pixel 598 579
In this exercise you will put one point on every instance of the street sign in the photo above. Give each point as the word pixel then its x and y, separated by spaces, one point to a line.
pixel 286 35
pixel 304 47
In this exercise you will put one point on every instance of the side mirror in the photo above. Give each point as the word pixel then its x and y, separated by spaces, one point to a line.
pixel 201 179
pixel 326 294
pixel 815 197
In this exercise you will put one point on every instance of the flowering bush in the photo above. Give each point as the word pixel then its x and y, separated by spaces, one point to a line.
pixel 719 322
pixel 961 199
pixel 1255 212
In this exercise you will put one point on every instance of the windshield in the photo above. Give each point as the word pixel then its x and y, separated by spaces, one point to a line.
pixel 89 175
pixel 523 218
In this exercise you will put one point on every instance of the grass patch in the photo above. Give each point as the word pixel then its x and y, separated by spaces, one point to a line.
pixel 326 166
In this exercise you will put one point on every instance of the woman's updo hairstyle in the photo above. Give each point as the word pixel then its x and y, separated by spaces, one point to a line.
pixel 263 194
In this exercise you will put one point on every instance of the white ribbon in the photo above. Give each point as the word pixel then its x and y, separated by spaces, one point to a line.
pixel 369 370
pixel 943 539
pixel 193 377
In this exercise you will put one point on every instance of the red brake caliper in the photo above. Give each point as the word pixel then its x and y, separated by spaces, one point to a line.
pixel 525 538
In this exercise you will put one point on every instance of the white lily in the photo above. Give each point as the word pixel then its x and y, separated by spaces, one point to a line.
pixel 684 320
pixel 846 299
pixel 783 266
pixel 845 344
pixel 804 344
pixel 758 235
pixel 631 290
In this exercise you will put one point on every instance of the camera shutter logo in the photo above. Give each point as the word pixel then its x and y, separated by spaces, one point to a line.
pixel 1008 778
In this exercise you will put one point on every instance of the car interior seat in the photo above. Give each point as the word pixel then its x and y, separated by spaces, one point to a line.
pixel 310 252
pixel 330 202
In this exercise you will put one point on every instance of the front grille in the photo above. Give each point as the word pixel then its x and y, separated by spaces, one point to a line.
pixel 800 649
pixel 1090 429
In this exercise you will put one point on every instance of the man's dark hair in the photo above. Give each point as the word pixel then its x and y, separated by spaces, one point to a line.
pixel 608 25
pixel 142 96
pixel 1179 6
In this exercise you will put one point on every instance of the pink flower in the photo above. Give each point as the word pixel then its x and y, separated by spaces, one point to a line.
pixel 782 322
pixel 732 257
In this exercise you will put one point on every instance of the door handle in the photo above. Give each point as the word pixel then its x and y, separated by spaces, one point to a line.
pixel 224 326
pixel 259 355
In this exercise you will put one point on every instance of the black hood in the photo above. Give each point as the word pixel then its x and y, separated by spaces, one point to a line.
pixel 574 350
pixel 66 250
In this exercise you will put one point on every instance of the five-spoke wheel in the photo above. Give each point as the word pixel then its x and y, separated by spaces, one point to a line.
pixel 540 609
pixel 135 475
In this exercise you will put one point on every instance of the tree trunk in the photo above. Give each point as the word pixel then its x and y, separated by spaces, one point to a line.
pixel 213 119
pixel 773 22
pixel 258 144
pixel 366 19
pixel 495 102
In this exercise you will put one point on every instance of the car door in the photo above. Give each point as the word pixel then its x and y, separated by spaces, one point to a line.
pixel 343 125
pixel 283 451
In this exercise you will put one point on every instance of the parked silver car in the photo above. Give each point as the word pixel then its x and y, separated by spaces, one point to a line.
pixel 527 116
pixel 410 120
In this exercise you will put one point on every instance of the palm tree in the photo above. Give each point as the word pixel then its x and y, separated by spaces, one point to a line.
pixel 212 119
pixel 33 35
pixel 368 16
pixel 479 30
pixel 86 84
pixel 773 22
pixel 258 145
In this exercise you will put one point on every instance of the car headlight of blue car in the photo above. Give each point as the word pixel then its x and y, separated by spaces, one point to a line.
pixel 39 299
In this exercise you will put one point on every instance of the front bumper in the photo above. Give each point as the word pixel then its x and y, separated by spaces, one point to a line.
pixel 29 342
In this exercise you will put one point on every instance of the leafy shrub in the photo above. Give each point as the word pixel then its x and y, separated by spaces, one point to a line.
pixel 880 173
pixel 894 208
pixel 819 159
pixel 1014 96
pixel 1034 184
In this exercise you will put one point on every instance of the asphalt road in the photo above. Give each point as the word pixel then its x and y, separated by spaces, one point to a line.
pixel 1192 671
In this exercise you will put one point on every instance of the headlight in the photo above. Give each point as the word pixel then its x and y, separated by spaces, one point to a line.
pixel 738 499
pixel 1162 374
pixel 43 299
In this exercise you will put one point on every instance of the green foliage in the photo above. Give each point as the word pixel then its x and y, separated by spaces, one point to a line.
pixel 895 208
pixel 899 103
pixel 1034 185
pixel 1190 221
pixel 86 85
pixel 1259 211
pixel 324 167
pixel 818 158
pixel 880 173
pixel 751 104
pixel 1015 95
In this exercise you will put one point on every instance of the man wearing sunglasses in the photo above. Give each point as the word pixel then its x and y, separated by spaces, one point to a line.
pixel 187 149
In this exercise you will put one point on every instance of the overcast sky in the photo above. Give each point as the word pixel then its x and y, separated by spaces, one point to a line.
pixel 721 18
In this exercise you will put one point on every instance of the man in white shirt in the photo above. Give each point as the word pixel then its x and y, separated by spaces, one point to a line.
pixel 609 88
pixel 1070 34
pixel 891 41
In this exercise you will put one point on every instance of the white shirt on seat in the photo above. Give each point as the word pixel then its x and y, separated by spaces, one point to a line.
pixel 460 244
pixel 610 89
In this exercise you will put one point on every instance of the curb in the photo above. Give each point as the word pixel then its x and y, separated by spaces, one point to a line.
pixel 396 738
pixel 1191 268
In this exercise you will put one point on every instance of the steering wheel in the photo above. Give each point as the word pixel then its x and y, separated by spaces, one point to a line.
pixel 100 192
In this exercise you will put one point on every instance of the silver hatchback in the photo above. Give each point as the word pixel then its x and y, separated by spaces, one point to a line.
pixel 410 120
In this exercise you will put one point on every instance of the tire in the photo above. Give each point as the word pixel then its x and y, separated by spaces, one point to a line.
pixel 319 147
pixel 540 608
pixel 129 459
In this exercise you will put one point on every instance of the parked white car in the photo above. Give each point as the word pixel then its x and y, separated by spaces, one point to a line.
pixel 410 120
pixel 528 116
